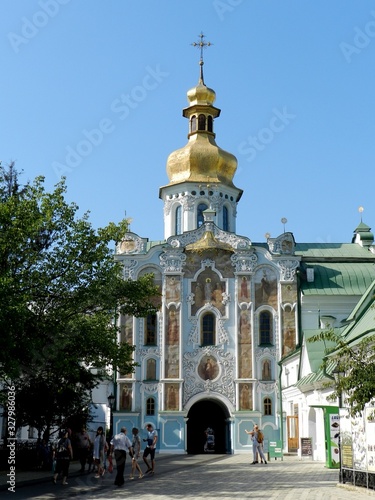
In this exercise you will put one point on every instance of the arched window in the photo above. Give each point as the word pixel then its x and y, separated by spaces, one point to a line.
pixel 193 123
pixel 151 369
pixel 178 221
pixel 200 218
pixel 208 329
pixel 265 328
pixel 201 122
pixel 267 406
pixel 150 329
pixel 209 124
pixel 150 406
pixel 225 219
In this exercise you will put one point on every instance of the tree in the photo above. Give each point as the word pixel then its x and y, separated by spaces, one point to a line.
pixel 356 363
pixel 60 290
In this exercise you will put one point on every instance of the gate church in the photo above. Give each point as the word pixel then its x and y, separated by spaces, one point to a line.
pixel 230 310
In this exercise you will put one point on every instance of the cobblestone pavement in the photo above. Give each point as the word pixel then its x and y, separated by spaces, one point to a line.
pixel 207 477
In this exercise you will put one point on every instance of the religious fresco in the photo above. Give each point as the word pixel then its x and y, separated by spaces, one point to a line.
pixel 245 364
pixel 265 283
pixel 244 327
pixel 172 360
pixel 221 258
pixel 126 329
pixel 151 369
pixel 172 326
pixel 208 368
pixel 156 301
pixel 126 397
pixel 243 289
pixel 289 331
pixel 266 370
pixel 171 397
pixel 246 396
pixel 289 292
pixel 208 289
pixel 172 289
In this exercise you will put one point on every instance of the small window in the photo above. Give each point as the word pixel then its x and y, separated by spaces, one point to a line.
pixel 225 219
pixel 193 123
pixel 265 328
pixel 208 329
pixel 201 122
pixel 151 369
pixel 267 406
pixel 209 124
pixel 150 406
pixel 200 217
pixel 150 329
pixel 178 222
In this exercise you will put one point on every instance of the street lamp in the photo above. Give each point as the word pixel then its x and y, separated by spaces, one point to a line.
pixel 111 402
pixel 338 374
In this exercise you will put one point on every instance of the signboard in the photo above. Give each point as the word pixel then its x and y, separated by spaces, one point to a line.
pixel 275 449
pixel 306 447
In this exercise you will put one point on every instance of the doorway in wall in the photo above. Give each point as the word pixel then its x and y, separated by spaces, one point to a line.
pixel 208 428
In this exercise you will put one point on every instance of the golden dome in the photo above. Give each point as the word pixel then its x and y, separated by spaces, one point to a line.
pixel 201 160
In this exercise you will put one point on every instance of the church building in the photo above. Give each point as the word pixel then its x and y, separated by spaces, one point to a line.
pixel 226 349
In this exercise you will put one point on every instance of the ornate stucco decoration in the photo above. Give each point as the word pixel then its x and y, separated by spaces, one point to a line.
pixel 260 353
pixel 219 379
pixel 150 388
pixel 283 244
pixel 172 261
pixel 287 269
pixel 130 244
pixel 244 262
pixel 152 351
pixel 129 266
pixel 222 334
pixel 266 387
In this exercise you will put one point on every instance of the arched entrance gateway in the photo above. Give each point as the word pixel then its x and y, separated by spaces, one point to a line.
pixel 208 415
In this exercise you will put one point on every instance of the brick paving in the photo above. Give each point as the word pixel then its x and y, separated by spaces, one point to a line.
pixel 212 477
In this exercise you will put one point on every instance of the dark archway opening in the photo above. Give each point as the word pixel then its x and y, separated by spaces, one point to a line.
pixel 207 414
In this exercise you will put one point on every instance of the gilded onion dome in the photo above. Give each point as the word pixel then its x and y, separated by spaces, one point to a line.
pixel 201 160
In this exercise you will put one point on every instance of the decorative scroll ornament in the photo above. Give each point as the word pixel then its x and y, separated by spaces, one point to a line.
pixel 129 266
pixel 222 383
pixel 150 388
pixel 130 244
pixel 172 261
pixel 266 388
pixel 283 244
pixel 287 269
pixel 244 262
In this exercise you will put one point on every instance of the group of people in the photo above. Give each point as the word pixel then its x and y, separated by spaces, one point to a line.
pixel 99 453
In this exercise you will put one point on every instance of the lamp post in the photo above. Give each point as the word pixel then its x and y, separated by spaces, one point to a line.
pixel 111 402
pixel 338 374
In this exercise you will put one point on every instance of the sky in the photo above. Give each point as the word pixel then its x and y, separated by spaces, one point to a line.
pixel 94 90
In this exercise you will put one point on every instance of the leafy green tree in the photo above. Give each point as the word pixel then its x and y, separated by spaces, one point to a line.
pixel 356 364
pixel 60 290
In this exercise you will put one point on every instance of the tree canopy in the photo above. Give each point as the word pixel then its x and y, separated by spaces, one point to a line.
pixel 60 292
pixel 356 366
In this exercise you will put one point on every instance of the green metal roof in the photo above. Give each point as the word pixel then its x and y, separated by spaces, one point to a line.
pixel 334 251
pixel 313 379
pixel 332 278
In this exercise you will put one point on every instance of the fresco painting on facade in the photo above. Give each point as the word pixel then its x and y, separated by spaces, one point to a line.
pixel 246 396
pixel 208 368
pixel 173 289
pixel 245 361
pixel 265 281
pixel 243 289
pixel 208 289
pixel 125 397
pixel 173 327
pixel 172 360
pixel 171 401
pixel 289 331
pixel 266 370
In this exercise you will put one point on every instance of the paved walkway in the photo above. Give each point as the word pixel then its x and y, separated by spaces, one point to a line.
pixel 202 477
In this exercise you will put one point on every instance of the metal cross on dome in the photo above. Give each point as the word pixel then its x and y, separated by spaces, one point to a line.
pixel 201 45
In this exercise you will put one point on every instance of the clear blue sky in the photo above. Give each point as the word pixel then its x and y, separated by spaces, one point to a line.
pixel 69 65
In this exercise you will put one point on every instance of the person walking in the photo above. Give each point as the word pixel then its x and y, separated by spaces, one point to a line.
pixel 257 439
pixel 83 447
pixel 99 450
pixel 152 438
pixel 120 444
pixel 136 446
pixel 63 455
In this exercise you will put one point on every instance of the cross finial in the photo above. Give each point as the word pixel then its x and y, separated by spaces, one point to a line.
pixel 201 45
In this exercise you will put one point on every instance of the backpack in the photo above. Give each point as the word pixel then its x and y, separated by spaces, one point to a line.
pixel 260 437
pixel 62 449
